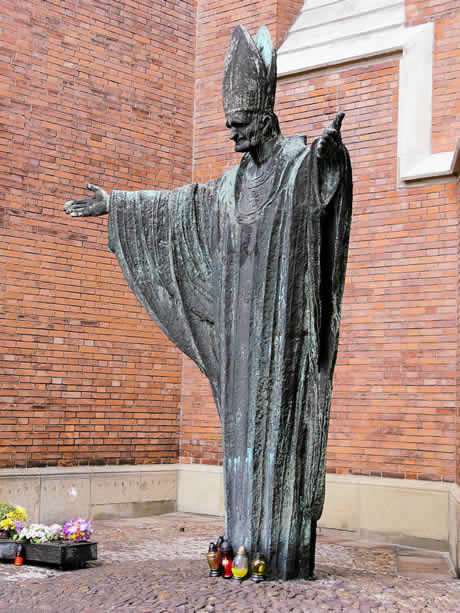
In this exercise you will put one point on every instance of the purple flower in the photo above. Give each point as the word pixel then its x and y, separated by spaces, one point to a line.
pixel 77 529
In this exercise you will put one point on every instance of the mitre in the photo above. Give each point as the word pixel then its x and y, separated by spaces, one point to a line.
pixel 249 72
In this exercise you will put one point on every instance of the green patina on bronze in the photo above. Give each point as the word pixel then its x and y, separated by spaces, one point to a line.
pixel 245 274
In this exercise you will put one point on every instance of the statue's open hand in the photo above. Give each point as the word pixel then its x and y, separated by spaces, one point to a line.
pixel 331 139
pixel 97 204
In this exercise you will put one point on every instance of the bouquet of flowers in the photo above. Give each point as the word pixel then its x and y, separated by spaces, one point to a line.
pixel 77 530
pixel 39 533
pixel 12 520
pixel 12 525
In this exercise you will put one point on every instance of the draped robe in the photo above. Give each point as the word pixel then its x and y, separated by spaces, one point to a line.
pixel 246 278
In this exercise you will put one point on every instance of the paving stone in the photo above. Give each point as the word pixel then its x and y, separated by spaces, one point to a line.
pixel 148 565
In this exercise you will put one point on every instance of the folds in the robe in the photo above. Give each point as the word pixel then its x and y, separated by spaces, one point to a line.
pixel 254 299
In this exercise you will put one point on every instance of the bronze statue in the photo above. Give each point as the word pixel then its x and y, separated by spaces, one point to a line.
pixel 245 275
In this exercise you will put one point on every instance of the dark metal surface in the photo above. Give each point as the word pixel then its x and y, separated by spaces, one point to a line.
pixel 245 275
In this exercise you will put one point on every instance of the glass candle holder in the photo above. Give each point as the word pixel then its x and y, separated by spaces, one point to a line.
pixel 214 558
pixel 219 542
pixel 258 568
pixel 19 558
pixel 227 559
pixel 240 565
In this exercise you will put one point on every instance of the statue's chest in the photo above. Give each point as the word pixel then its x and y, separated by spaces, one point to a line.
pixel 256 214
pixel 253 193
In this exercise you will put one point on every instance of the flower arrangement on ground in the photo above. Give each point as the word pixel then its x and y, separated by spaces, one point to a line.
pixel 12 526
pixel 77 530
pixel 68 546
pixel 39 533
pixel 12 520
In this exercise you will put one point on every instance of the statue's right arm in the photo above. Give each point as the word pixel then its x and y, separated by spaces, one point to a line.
pixel 93 206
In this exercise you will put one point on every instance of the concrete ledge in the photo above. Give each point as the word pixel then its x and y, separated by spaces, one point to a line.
pixel 412 513
pixel 454 527
pixel 55 494
pixel 422 514
pixel 403 511
pixel 200 489
pixel 86 470
pixel 132 509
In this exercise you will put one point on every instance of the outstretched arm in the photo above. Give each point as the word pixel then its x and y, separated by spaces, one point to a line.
pixel 93 206
pixel 331 154
pixel 334 193
pixel 331 139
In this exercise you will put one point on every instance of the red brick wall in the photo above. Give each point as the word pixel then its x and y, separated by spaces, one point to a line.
pixel 458 348
pixel 200 440
pixel 106 92
pixel 102 92
pixel 394 407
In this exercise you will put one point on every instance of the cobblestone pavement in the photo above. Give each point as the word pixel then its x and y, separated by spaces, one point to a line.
pixel 150 564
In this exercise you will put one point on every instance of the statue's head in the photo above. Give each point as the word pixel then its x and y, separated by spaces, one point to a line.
pixel 249 87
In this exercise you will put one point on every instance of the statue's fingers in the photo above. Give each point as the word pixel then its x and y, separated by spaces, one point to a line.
pixel 73 204
pixel 79 212
pixel 73 207
pixel 337 122
pixel 93 188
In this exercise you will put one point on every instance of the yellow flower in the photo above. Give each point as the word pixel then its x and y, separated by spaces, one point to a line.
pixel 19 514
pixel 7 524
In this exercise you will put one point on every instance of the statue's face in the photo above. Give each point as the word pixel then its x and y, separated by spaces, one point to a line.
pixel 245 129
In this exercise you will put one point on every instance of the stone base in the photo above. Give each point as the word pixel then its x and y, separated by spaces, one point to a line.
pixel 56 494
pixel 454 528
pixel 413 513
pixel 200 489
pixel 132 509
pixel 423 514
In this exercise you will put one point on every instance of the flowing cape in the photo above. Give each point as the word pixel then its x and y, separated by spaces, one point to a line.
pixel 164 242
pixel 266 339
